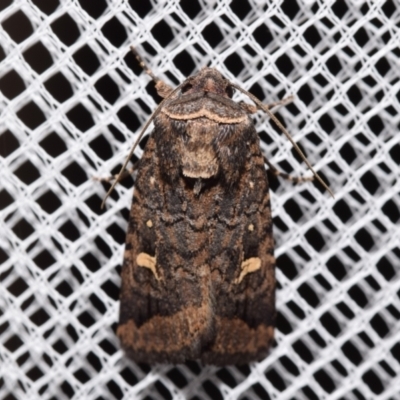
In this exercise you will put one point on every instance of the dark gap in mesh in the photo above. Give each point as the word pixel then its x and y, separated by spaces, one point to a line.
pixel 293 209
pixel 212 390
pixel 165 393
pixel 387 368
pixel 23 229
pixel 46 6
pixel 290 8
pixel 330 225
pixel 212 34
pixel 302 350
pixel 312 36
pixel 8 143
pixel 11 84
pixel 302 253
pixel 91 262
pixel 287 266
pixel 184 62
pixel 44 260
pixel 389 8
pixel 66 29
pixel 330 324
pixel 376 125
pixel 115 32
pixel 64 289
pixel 39 317
pixel 325 381
pixel 34 373
pixel 351 254
pixel 94 203
pixel 234 64
pixel 111 290
pixel 101 146
pixel 240 7
pixel 260 391
pixel 278 222
pixel 163 33
pixel 118 135
pixel 282 324
pixel 13 343
pixel 289 366
pixel 305 94
pixel 117 233
pixel 379 325
pixel 94 9
pixel 347 153
pixel 372 380
pixel 177 19
pixel 276 380
pixel 75 174
pixel 314 335
pixel 315 239
pixel 53 144
pixel 86 319
pixel 345 310
pixel 386 268
pixel 17 287
pixel 339 368
pixel 308 294
pixel 108 89
pixel 358 296
pixel 83 217
pixel 323 282
pixel 394 311
pixel 87 60
pixel 334 65
pixel 115 390
pixel 94 361
pixel 309 393
pixel 352 353
pixel 18 26
pixel 357 197
pixel 263 35
pixel 391 210
pixel 285 65
pixel 5 201
pixel 31 115
pixel 178 379
pixel 129 377
pixel 49 202
pixel 59 87
pixel 296 310
pixel 80 117
pixel 67 389
pixel 77 274
pixel 364 239
pixel 60 347
pixel 129 118
pixel 361 37
pixel 82 376
pixel 379 226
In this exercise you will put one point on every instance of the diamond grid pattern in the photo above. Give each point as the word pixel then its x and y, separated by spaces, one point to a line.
pixel 72 99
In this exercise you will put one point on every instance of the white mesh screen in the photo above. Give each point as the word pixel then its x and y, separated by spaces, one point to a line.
pixel 72 100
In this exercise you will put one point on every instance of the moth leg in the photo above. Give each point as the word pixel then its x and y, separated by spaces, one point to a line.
pixel 294 179
pixel 163 89
pixel 252 109
pixel 119 177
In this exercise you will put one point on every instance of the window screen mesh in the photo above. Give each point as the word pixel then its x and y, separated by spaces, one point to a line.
pixel 73 99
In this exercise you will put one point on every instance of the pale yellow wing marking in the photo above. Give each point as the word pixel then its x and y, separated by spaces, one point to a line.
pixel 249 265
pixel 147 261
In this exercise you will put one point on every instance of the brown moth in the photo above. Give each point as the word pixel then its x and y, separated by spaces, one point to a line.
pixel 198 279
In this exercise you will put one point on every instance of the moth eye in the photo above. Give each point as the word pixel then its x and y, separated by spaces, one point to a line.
pixel 229 91
pixel 186 87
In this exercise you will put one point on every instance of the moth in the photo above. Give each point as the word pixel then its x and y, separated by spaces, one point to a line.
pixel 198 278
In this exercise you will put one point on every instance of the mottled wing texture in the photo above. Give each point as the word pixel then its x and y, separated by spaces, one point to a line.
pixel 198 274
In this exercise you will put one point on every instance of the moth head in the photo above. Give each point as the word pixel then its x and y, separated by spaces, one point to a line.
pixel 208 80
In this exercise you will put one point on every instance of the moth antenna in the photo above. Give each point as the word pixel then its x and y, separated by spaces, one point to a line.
pixel 287 134
pixel 153 115
pixel 144 66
